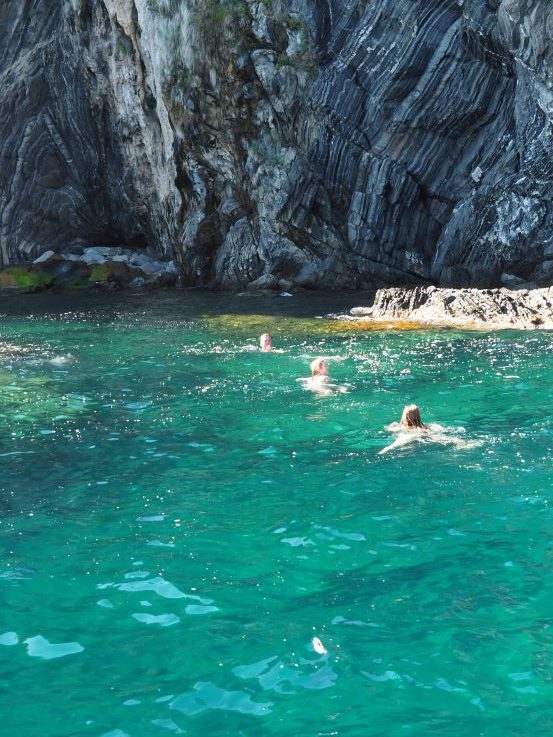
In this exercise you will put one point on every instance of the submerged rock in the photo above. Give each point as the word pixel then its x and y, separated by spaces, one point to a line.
pixel 465 308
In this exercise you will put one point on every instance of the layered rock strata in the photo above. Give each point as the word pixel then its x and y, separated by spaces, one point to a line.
pixel 466 308
pixel 327 143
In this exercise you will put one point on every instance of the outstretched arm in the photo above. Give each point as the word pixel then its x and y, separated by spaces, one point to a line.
pixel 399 442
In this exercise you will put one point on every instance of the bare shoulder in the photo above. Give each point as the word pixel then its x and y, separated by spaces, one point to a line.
pixel 435 427
pixel 393 427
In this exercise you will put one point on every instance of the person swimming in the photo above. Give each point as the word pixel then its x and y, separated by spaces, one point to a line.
pixel 411 428
pixel 319 371
pixel 320 381
pixel 265 343
pixel 411 420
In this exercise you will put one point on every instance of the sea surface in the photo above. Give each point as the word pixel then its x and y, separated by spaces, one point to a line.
pixel 179 518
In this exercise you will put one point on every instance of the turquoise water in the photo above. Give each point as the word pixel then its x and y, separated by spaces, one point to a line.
pixel 179 519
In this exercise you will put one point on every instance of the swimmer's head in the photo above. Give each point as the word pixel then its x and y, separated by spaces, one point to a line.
pixel 319 367
pixel 265 342
pixel 411 417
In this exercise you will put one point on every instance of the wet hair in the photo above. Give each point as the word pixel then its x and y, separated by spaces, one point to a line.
pixel 316 366
pixel 411 417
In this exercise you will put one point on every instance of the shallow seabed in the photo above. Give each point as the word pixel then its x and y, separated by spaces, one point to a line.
pixel 179 518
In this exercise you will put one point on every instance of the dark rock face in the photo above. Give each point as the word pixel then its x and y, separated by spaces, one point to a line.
pixel 326 143
pixel 76 167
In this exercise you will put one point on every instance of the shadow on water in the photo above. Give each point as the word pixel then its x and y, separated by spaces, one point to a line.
pixel 190 303
pixel 281 313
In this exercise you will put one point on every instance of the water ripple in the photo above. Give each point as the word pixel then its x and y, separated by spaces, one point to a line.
pixel 40 647
pixel 206 695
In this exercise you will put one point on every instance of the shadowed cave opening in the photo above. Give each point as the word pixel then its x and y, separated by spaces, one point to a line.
pixel 114 238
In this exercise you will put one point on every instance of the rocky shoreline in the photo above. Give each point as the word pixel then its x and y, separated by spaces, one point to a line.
pixel 114 267
pixel 104 267
pixel 488 309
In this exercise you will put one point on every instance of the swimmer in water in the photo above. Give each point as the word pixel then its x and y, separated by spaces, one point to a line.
pixel 411 420
pixel 320 381
pixel 265 343
pixel 319 372
pixel 411 429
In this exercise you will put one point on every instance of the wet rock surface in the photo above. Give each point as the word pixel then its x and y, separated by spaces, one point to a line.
pixel 469 308
pixel 98 266
pixel 330 143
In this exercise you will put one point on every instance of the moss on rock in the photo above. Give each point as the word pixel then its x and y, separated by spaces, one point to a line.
pixel 25 278
pixel 113 272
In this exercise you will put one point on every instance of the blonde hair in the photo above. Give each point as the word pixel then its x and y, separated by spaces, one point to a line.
pixel 316 366
pixel 411 417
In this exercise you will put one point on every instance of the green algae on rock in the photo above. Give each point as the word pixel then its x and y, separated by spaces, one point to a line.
pixel 114 272
pixel 24 278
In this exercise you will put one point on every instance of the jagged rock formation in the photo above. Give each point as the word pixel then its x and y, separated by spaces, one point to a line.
pixel 327 143
pixel 467 308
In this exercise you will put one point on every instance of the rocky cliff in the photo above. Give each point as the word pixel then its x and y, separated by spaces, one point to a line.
pixel 327 143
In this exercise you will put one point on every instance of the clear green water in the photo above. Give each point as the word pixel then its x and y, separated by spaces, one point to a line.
pixel 179 518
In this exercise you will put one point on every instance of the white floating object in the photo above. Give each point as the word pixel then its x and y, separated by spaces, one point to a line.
pixel 318 646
